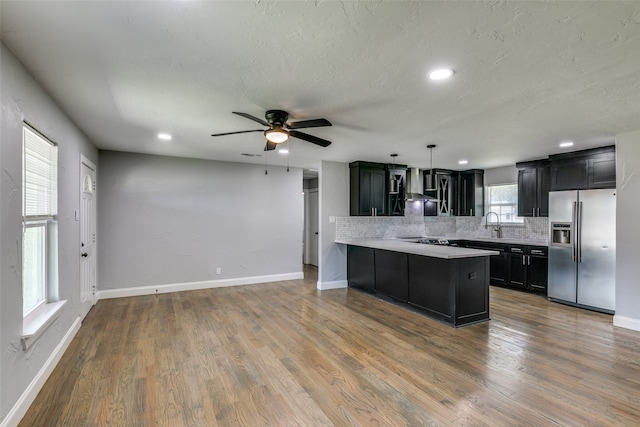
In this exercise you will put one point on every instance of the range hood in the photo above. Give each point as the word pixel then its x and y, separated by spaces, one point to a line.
pixel 414 187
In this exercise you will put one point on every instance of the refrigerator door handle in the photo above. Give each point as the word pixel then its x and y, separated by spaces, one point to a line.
pixel 580 233
pixel 573 240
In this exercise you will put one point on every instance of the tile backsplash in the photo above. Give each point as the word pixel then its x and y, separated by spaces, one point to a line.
pixel 534 230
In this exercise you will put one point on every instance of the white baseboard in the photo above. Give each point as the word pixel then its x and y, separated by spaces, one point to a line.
pixel 22 405
pixel 337 284
pixel 192 286
pixel 626 322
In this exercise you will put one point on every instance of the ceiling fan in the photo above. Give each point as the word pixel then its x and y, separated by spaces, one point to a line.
pixel 279 130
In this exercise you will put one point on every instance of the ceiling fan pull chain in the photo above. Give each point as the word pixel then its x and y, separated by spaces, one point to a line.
pixel 266 164
pixel 288 153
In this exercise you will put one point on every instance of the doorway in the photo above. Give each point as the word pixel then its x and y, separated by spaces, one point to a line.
pixel 310 253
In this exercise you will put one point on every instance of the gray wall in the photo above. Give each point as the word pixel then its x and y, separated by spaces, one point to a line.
pixel 334 202
pixel 627 230
pixel 166 220
pixel 503 175
pixel 23 99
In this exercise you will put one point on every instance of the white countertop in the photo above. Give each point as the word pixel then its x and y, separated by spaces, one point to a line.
pixel 435 251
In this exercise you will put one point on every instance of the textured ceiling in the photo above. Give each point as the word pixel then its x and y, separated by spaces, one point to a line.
pixel 528 75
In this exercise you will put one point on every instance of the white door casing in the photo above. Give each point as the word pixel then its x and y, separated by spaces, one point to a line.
pixel 87 236
pixel 313 221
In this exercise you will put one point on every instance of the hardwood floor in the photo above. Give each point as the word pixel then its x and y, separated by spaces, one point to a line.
pixel 286 354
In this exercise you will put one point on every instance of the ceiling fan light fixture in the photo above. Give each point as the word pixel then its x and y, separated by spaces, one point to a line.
pixel 276 135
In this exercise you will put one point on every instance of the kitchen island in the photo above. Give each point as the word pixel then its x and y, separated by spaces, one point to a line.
pixel 448 284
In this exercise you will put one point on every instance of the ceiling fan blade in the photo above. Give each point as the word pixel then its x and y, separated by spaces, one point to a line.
pixel 270 146
pixel 233 133
pixel 310 138
pixel 315 123
pixel 250 117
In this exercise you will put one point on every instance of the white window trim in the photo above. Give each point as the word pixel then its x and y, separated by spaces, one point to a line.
pixel 38 320
pixel 491 219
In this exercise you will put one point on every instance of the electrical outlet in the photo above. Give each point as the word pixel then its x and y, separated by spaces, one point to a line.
pixel 218 270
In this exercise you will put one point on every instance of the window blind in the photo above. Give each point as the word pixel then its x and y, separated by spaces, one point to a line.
pixel 40 186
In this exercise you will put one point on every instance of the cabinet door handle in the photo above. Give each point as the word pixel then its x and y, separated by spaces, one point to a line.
pixel 528 260
pixel 523 260
pixel 533 212
pixel 471 212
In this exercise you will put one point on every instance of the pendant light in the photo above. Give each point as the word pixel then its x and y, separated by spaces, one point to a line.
pixel 431 178
pixel 394 183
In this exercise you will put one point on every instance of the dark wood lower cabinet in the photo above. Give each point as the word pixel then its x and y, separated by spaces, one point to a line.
pixel 427 277
pixel 360 271
pixel 391 274
pixel 537 269
pixel 498 263
pixel 453 291
pixel 518 266
pixel 538 273
pixel 517 262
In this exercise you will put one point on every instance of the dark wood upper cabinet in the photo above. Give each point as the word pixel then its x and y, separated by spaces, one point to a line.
pixel 396 196
pixel 471 193
pixel 602 171
pixel 446 192
pixel 586 169
pixel 534 181
pixel 368 189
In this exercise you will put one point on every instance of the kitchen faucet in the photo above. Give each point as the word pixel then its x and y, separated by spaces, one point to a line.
pixel 497 228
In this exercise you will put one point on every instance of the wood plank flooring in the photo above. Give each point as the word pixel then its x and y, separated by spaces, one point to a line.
pixel 286 354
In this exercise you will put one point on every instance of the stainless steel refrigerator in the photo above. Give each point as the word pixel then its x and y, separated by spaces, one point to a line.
pixel 582 248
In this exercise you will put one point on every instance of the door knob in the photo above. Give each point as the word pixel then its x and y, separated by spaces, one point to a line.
pixel 84 254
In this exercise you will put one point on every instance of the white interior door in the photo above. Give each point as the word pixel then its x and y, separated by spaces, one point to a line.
pixel 87 236
pixel 313 228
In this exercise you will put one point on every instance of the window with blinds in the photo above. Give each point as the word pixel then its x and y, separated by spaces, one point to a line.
pixel 503 200
pixel 39 210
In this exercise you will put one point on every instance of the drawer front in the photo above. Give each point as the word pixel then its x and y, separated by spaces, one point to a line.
pixel 538 251
pixel 518 250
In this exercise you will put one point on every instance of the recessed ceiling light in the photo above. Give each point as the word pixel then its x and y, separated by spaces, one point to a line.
pixel 283 151
pixel 441 74
pixel 566 144
pixel 463 162
pixel 164 136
